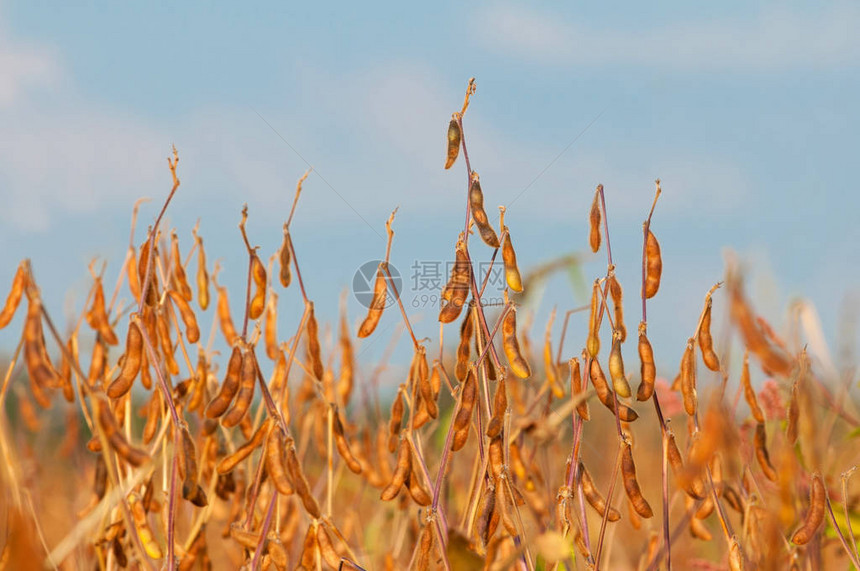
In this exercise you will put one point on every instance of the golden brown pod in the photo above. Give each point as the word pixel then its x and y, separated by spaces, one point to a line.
pixel 300 481
pixel 616 367
pixel 258 300
pixel 314 343
pixel 456 291
pixel 453 141
pixel 342 443
pixel 509 257
pixel 549 362
pixel 395 421
pixel 131 364
pixel 815 514
pixel 247 382
pixel 749 393
pixel 463 416
pixel 180 281
pixel 377 303
pixel 576 388
pixel 192 331
pixel 461 369
pixel 653 265
pixel 647 368
pixel 202 275
pixel 706 342
pixel 617 304
pixel 592 344
pixel 594 497
pixel 218 405
pixel 327 550
pixel 401 471
pixel 285 257
pixel 19 282
pixel 276 461
pixel 605 395
pixel 167 348
pixel 146 250
pixel 270 327
pixel 511 345
pixel 688 379
pixel 761 453
pixel 594 219
pixel 225 321
pixel 479 215
pixel 229 462
pixel 631 485
pixel 131 454
pixel 39 368
pixel 144 532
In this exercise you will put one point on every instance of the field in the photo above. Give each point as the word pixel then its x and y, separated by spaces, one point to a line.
pixel 504 449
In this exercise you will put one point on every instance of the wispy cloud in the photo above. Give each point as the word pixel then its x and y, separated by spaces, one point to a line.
pixel 776 39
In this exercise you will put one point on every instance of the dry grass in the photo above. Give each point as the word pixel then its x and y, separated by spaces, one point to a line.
pixel 493 454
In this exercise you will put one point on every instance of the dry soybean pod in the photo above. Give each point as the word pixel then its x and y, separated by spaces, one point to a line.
pixel 192 331
pixel 647 369
pixel 284 258
pixel 616 367
pixel 456 291
pixel 167 349
pixel 815 514
pixel 191 489
pixel 270 327
pixel 343 444
pixel 594 497
pixel 422 372
pixel 706 341
pixel 229 462
pixel 144 532
pixel 549 362
pixel 377 303
pixel 761 453
pixel 511 345
pixel 401 471
pixel 453 140
pixel 97 315
pixel 276 461
pixel 258 301
pixel 300 481
pixel 395 421
pixel 218 405
pixel 131 364
pixel 327 550
pixel 593 341
pixel 509 256
pixel 461 369
pixel 202 274
pixel 463 416
pixel 594 219
pixel 180 281
pixel 631 485
pixel 479 215
pixel 134 456
pixel 247 382
pixel 314 342
pixel 19 282
pixel 39 369
pixel 617 304
pixel 749 393
pixel 688 379
pixel 653 265
pixel 576 388
pixel 225 321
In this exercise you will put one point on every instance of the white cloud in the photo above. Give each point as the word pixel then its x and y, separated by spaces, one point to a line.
pixel 21 68
pixel 775 39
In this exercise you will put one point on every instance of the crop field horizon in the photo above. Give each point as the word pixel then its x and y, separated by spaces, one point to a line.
pixel 170 420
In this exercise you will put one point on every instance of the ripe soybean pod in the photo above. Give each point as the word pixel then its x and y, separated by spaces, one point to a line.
pixel 258 300
pixel 131 365
pixel 342 443
pixel 594 219
pixel 616 367
pixel 39 368
pixel 576 388
pixel 202 274
pixel 653 265
pixel 115 437
pixel 594 497
pixel 509 256
pixel 749 392
pixel 312 330
pixel 229 462
pixel 647 368
pixel 479 215
pixel 97 315
pixel 192 331
pixel 688 379
pixel 285 258
pixel 592 344
pixel 453 140
pixel 300 481
pixel 463 416
pixel 380 288
pixel 761 453
pixel 19 283
pixel 706 342
pixel 247 382
pixel 456 291
pixel 617 295
pixel 270 327
pixel 631 485
pixel 218 405
pixel 180 281
pixel 401 471
pixel 815 514
pixel 461 369
pixel 511 345
pixel 276 461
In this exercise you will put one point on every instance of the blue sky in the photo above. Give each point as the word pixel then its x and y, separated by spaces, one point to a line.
pixel 746 111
